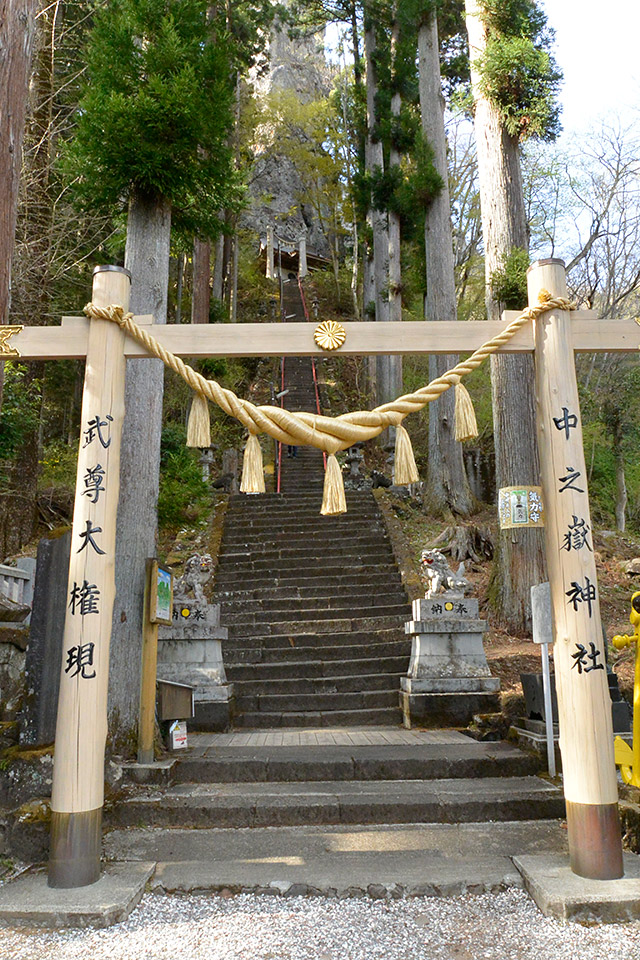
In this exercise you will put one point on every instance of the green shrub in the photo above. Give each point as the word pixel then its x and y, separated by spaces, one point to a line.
pixel 58 465
pixel 183 495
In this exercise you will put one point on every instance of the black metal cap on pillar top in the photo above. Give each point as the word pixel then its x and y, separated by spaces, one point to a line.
pixel 109 268
pixel 545 263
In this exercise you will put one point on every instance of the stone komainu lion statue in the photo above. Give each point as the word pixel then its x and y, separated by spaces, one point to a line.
pixel 198 570
pixel 438 575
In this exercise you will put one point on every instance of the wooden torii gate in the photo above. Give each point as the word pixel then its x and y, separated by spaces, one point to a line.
pixel 586 737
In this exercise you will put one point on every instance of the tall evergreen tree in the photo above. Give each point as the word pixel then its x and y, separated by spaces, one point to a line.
pixel 514 81
pixel 16 43
pixel 448 484
pixel 152 133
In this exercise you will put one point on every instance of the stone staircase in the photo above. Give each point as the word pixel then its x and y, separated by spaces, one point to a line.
pixel 315 610
pixel 314 606
pixel 341 776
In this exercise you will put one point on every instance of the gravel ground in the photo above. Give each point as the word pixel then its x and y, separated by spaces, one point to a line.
pixel 506 926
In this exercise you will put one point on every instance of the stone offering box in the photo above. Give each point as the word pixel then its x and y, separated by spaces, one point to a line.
pixel 190 652
pixel 448 679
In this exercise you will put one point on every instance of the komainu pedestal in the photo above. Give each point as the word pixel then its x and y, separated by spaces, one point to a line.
pixel 448 679
pixel 190 651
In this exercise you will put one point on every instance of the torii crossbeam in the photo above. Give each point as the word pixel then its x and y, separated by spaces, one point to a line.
pixel 585 716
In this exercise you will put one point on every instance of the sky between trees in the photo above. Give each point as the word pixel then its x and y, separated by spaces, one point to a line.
pixel 596 48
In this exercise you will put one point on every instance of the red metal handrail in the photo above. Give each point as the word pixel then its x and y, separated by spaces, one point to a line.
pixel 279 442
pixel 313 362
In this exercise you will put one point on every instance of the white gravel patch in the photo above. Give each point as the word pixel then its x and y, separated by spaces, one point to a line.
pixel 505 926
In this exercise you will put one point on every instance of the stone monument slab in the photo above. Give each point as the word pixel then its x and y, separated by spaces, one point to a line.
pixel 44 650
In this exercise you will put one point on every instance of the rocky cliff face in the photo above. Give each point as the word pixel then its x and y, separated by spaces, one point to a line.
pixel 298 67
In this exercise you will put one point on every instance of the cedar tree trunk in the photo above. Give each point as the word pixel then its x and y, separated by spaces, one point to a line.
pixel 520 561
pixel 448 484
pixel 147 257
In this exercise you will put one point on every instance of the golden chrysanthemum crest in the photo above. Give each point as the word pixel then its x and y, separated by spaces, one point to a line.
pixel 330 335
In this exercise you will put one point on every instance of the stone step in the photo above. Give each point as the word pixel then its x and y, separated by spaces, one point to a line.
pixel 303 459
pixel 296 536
pixel 360 593
pixel 345 640
pixel 256 615
pixel 323 565
pixel 311 481
pixel 295 530
pixel 288 508
pixel 306 686
pixel 263 720
pixel 347 763
pixel 315 639
pixel 248 510
pixel 328 802
pixel 316 702
pixel 280 544
pixel 293 628
pixel 270 563
pixel 395 860
pixel 272 608
pixel 228 582
pixel 312 669
pixel 318 633
pixel 262 652
pixel 270 553
pixel 353 497
pixel 258 519
pixel 261 505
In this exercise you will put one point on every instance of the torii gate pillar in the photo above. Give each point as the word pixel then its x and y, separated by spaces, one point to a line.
pixel 584 704
pixel 302 255
pixel 271 273
pixel 78 772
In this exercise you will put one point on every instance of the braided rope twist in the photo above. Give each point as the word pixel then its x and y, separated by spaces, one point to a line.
pixel 307 429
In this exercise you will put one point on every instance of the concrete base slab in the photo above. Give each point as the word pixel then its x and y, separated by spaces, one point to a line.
pixel 448 878
pixel 560 893
pixel 376 861
pixel 28 901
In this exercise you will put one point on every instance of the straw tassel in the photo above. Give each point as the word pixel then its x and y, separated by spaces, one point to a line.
pixel 333 498
pixel 252 470
pixel 466 426
pixel 405 470
pixel 199 425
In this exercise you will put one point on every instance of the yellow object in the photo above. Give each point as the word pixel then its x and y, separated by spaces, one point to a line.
pixel 252 470
pixel 199 425
pixel 330 335
pixel 465 415
pixel 626 757
pixel 405 470
pixel 6 350
pixel 333 498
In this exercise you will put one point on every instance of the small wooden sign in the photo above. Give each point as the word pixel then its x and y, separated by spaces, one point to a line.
pixel 520 507
pixel 161 594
